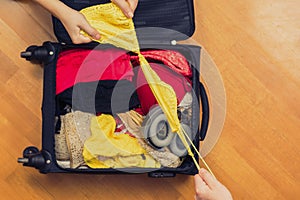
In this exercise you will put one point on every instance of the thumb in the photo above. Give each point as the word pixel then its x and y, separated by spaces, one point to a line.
pixel 207 178
pixel 133 4
pixel 125 7
pixel 86 27
pixel 199 183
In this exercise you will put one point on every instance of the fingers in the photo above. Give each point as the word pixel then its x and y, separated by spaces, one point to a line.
pixel 133 4
pixel 207 178
pixel 78 38
pixel 199 183
pixel 74 22
pixel 86 27
pixel 127 6
pixel 201 187
pixel 81 39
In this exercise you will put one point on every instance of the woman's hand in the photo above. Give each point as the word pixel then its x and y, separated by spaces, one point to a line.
pixel 209 188
pixel 74 21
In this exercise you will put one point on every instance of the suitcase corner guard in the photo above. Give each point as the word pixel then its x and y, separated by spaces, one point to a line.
pixel 40 160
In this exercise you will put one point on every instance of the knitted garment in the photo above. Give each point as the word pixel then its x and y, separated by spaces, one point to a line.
pixel 114 27
pixel 61 147
pixel 172 59
pixel 75 129
pixel 106 149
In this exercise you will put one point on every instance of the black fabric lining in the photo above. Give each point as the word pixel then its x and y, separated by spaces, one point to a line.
pixel 105 96
pixel 169 14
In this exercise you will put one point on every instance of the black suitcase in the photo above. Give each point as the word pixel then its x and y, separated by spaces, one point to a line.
pixel 173 20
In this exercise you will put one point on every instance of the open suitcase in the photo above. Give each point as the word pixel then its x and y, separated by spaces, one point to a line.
pixel 173 21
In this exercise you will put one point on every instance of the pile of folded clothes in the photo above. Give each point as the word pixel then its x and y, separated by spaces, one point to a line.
pixel 111 107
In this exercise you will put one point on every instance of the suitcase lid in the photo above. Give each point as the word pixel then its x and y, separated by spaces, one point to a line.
pixel 155 20
pixel 174 18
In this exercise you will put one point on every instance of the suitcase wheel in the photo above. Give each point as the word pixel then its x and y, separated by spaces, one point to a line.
pixel 30 151
pixel 39 54
pixel 32 157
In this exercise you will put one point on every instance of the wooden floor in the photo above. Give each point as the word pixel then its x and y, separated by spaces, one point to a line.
pixel 256 46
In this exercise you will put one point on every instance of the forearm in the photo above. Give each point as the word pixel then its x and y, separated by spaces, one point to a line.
pixel 55 7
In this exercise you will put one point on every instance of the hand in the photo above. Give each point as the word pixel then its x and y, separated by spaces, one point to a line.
pixel 74 22
pixel 208 188
pixel 127 6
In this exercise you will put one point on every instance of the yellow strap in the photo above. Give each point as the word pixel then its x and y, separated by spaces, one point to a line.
pixel 198 153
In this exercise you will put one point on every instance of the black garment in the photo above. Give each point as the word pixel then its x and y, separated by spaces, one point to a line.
pixel 104 96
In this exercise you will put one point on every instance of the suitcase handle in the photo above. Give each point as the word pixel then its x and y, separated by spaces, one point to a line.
pixel 205 111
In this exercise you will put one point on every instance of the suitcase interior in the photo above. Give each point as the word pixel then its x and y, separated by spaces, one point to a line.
pixel 45 160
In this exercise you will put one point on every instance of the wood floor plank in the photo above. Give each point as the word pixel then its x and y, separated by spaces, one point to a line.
pixel 8 69
pixel 40 17
pixel 23 23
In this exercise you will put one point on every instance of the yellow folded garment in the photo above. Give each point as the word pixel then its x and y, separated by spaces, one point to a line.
pixel 143 161
pixel 105 149
pixel 115 28
pixel 104 142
